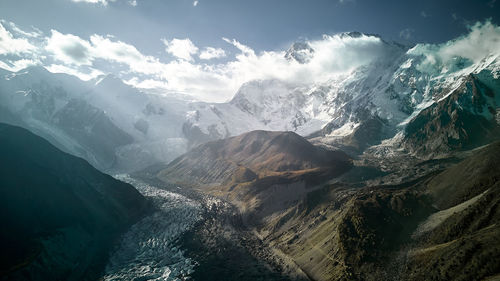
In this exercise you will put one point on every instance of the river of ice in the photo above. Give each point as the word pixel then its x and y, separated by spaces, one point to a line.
pixel 149 250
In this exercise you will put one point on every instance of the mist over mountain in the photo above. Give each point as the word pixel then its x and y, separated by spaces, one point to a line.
pixel 387 94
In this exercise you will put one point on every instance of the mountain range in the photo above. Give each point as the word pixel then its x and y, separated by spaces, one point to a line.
pixel 397 98
pixel 387 171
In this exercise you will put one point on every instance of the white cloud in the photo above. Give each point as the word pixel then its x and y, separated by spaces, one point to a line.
pixel 147 83
pixel 195 3
pixel 35 33
pixel 212 53
pixel 120 52
pixel 133 3
pixel 102 2
pixel 181 48
pixel 243 48
pixel 424 14
pixel 69 48
pixel 17 65
pixel 482 40
pixel 11 45
pixel 58 68
pixel 209 82
pixel 334 56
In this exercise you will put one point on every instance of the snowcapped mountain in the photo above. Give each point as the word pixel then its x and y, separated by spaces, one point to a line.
pixel 361 108
pixel 395 100
pixel 300 52
pixel 110 124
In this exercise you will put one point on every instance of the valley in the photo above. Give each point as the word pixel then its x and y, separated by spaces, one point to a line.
pixel 360 231
pixel 342 230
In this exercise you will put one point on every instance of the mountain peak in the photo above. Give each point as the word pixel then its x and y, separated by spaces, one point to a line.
pixel 262 152
pixel 108 80
pixel 357 34
pixel 301 52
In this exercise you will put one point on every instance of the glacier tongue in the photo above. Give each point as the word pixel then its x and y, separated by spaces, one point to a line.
pixel 148 251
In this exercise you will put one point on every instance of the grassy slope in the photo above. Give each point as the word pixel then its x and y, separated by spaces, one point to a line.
pixel 344 233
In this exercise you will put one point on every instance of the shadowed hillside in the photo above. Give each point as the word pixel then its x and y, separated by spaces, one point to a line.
pixel 59 214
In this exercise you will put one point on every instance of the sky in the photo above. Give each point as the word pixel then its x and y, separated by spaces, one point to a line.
pixel 208 48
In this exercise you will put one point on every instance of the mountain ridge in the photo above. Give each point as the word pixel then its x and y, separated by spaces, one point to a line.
pixel 61 220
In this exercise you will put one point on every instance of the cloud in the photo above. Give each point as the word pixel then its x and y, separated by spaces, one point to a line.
pixel 482 41
pixel 424 14
pixel 406 33
pixel 58 68
pixel 195 3
pixel 102 2
pixel 149 84
pixel 181 48
pixel 17 65
pixel 86 58
pixel 11 45
pixel 334 57
pixel 243 48
pixel 35 33
pixel 212 53
pixel 491 3
pixel 69 48
pixel 104 48
pixel 133 3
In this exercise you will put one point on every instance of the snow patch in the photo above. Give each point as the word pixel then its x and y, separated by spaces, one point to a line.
pixel 347 129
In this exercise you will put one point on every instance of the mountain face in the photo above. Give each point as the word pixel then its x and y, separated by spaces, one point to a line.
pixel 263 171
pixel 466 118
pixel 440 227
pixel 388 99
pixel 300 52
pixel 257 152
pixel 59 214
pixel 110 124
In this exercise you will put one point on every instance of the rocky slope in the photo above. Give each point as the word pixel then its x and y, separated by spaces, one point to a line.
pixel 440 227
pixel 388 218
pixel 59 214
pixel 251 154
pixel 261 170
pixel 465 119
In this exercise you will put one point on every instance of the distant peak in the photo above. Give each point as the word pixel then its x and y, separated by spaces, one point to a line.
pixel 109 80
pixel 301 52
pixel 357 34
pixel 34 69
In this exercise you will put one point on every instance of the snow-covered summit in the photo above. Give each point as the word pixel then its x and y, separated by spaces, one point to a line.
pixel 300 52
